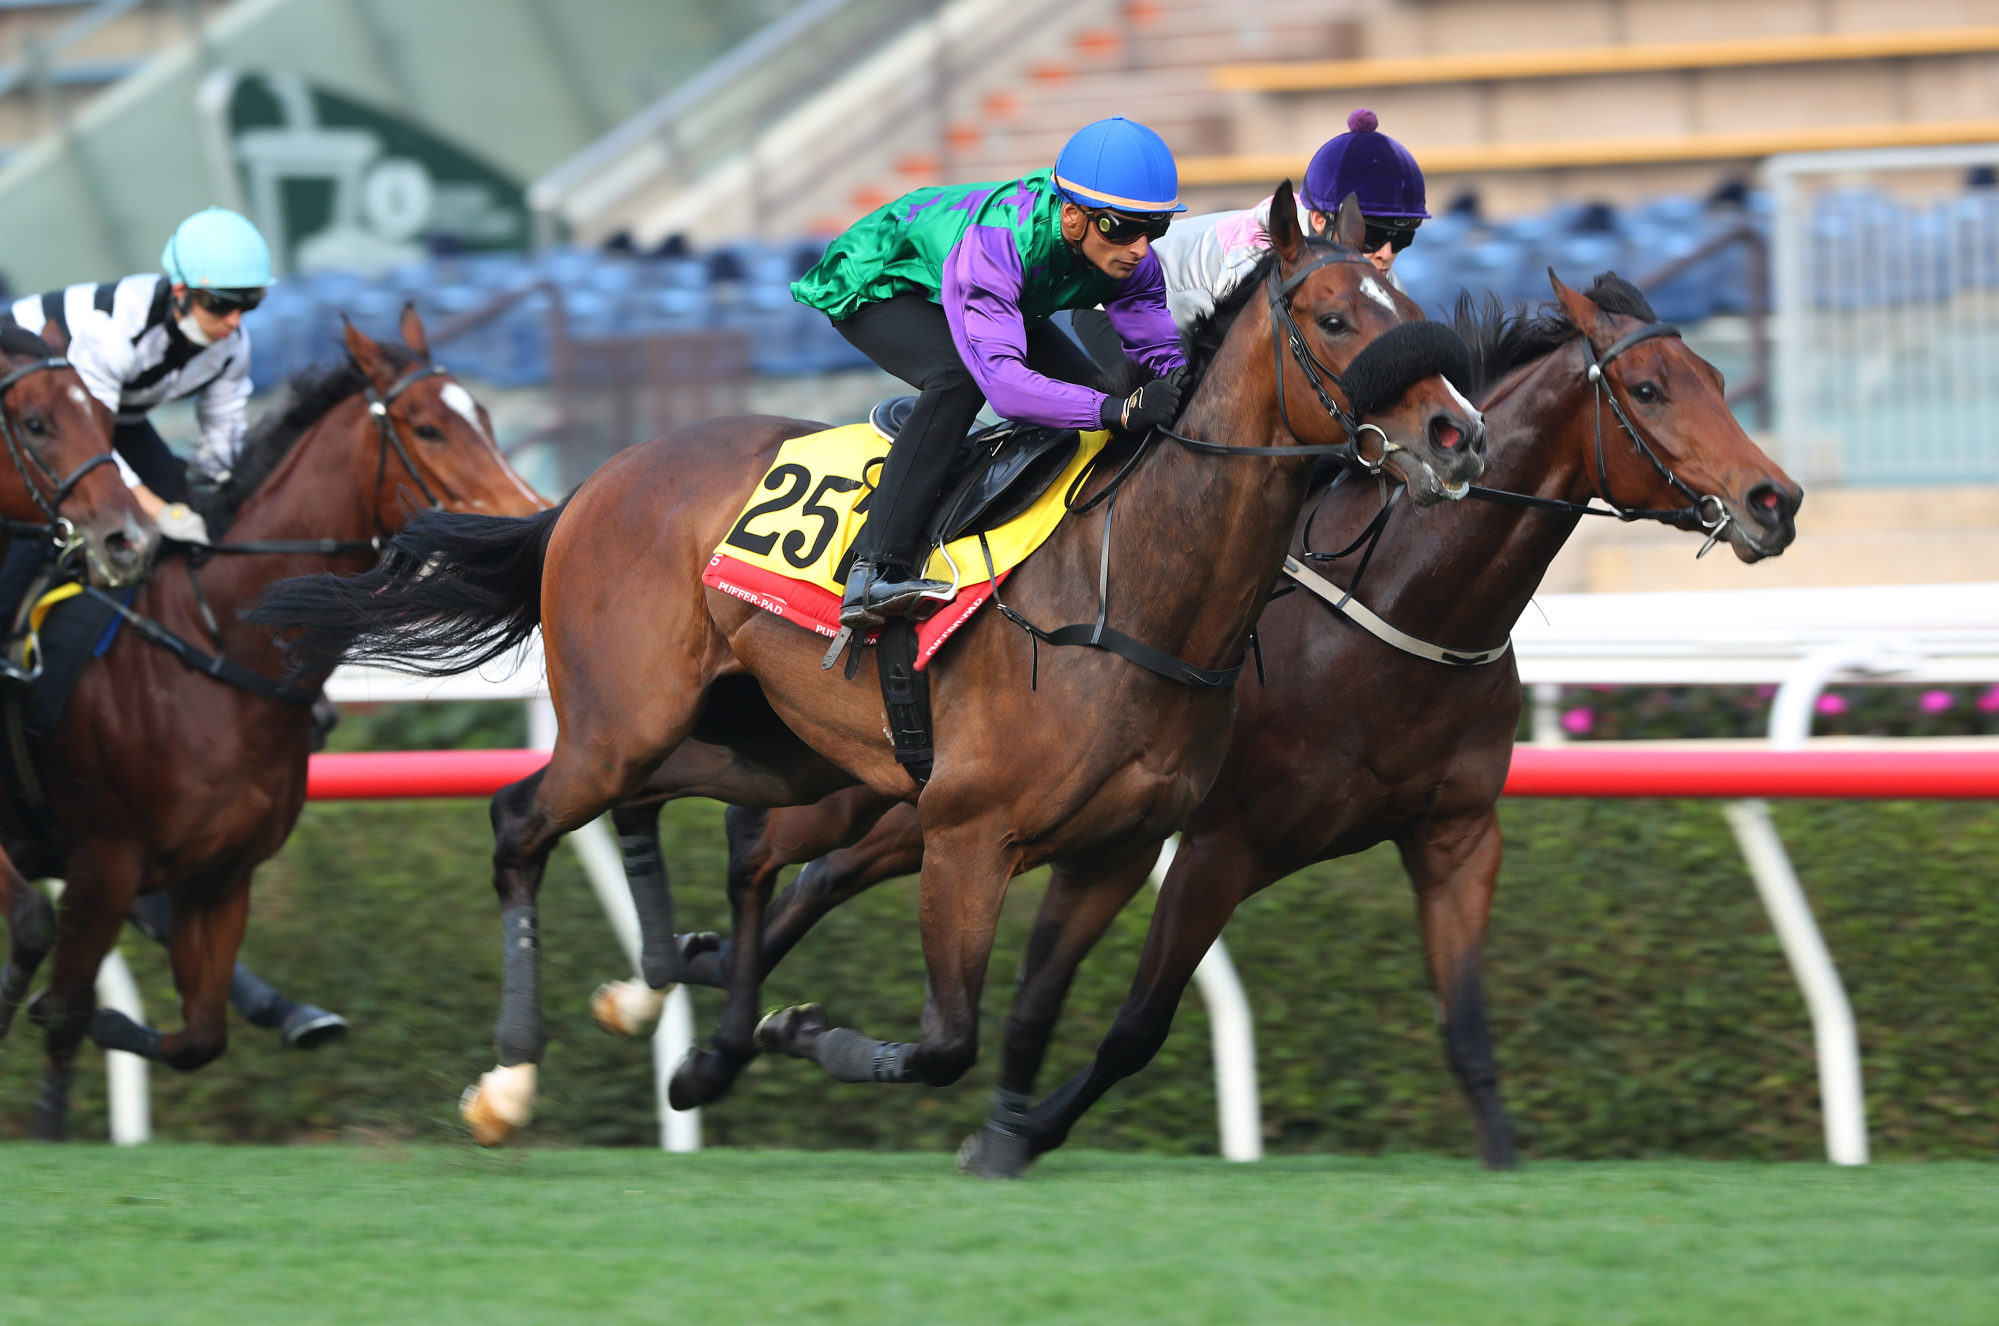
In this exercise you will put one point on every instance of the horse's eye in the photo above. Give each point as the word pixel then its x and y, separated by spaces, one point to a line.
pixel 37 425
pixel 1645 393
pixel 1332 323
pixel 430 432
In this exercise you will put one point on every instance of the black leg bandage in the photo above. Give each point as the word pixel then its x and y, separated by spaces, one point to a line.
pixel 848 1056
pixel 114 1031
pixel 652 898
pixel 253 997
pixel 517 1036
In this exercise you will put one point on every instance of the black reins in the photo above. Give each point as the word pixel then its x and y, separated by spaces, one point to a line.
pixel 18 450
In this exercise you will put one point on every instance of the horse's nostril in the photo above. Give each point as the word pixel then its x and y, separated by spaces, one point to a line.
pixel 1766 503
pixel 1446 434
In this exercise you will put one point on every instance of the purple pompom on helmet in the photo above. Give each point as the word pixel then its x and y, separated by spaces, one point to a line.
pixel 1366 162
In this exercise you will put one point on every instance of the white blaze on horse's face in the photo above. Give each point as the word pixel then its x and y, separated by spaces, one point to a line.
pixel 76 394
pixel 459 400
pixel 1471 411
pixel 1372 289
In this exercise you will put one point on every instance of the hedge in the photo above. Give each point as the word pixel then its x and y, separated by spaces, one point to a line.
pixel 1640 1005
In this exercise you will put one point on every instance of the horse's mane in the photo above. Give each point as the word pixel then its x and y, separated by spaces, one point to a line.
pixel 19 341
pixel 310 396
pixel 1502 340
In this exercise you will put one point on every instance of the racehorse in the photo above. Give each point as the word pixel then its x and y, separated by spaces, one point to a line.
pixel 1042 753
pixel 62 486
pixel 1355 741
pixel 168 771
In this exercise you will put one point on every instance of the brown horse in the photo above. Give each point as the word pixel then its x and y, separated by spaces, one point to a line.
pixel 1353 742
pixel 655 677
pixel 161 776
pixel 60 485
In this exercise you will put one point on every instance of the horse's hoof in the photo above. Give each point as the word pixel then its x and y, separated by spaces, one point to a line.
pixel 627 1008
pixel 704 958
pixel 992 1154
pixel 782 1032
pixel 500 1104
pixel 702 1078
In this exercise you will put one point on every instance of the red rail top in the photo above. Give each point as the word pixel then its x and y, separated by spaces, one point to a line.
pixel 1581 770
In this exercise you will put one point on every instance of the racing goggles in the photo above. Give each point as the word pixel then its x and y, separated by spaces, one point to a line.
pixel 1398 232
pixel 224 302
pixel 1126 227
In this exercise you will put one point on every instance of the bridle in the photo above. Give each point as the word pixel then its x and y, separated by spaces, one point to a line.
pixel 27 462
pixel 378 408
pixel 1704 511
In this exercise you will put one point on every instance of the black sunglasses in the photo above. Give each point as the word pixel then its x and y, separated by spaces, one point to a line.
pixel 229 301
pixel 1398 234
pixel 1125 228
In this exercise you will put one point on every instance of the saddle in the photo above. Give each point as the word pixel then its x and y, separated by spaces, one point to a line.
pixel 999 471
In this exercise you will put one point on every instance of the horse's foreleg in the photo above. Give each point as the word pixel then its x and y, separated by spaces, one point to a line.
pixel 1075 912
pixel 103 878
pixel 1212 873
pixel 965 876
pixel 706 1073
pixel 1454 865
pixel 203 944
pixel 874 840
pixel 31 930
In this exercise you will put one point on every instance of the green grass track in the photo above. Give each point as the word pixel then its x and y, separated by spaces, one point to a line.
pixel 437 1234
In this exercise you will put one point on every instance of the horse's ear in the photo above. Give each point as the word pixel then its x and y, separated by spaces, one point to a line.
pixel 1580 308
pixel 1349 227
pixel 56 337
pixel 1285 237
pixel 366 354
pixel 412 329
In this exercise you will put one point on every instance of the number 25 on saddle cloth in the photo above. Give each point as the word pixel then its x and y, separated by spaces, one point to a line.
pixel 787 552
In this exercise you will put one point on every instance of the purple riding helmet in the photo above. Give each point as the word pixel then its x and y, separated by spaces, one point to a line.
pixel 1368 163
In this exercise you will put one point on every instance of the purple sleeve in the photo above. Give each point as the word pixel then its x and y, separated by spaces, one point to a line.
pixel 981 298
pixel 1142 320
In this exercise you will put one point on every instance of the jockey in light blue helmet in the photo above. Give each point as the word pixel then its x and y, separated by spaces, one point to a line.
pixel 146 340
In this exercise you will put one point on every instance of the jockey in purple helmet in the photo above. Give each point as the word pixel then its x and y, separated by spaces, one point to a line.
pixel 1205 256
pixel 950 289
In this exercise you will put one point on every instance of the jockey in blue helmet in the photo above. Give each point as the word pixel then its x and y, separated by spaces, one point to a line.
pixel 1206 255
pixel 950 290
pixel 146 340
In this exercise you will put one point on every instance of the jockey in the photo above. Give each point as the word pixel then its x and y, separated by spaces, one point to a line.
pixel 147 340
pixel 950 290
pixel 1205 256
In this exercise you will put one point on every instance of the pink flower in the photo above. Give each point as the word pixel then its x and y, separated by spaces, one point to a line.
pixel 1936 702
pixel 1830 703
pixel 1989 702
pixel 1579 720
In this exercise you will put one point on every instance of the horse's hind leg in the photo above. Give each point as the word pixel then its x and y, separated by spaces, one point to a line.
pixel 629 1007
pixel 1075 912
pixel 31 930
pixel 1454 865
pixel 706 1073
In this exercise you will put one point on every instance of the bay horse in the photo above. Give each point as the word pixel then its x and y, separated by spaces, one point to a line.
pixel 661 683
pixel 1353 742
pixel 162 776
pixel 61 485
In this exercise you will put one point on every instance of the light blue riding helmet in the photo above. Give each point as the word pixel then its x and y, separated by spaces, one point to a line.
pixel 1121 165
pixel 217 249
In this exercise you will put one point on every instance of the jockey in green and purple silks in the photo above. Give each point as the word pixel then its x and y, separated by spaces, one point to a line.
pixel 950 290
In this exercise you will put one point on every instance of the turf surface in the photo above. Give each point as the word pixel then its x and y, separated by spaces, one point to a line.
pixel 439 1234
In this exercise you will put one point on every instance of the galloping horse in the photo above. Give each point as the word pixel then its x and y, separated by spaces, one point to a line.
pixel 165 775
pixel 1354 741
pixel 1095 759
pixel 63 486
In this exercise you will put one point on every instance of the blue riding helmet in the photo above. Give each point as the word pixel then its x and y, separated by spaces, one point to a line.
pixel 1368 163
pixel 217 249
pixel 1120 165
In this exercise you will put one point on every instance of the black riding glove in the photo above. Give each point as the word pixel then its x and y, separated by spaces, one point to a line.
pixel 1153 405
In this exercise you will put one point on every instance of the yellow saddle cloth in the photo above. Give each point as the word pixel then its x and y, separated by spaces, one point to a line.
pixel 784 550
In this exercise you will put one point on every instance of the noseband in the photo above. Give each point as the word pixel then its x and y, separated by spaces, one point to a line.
pixel 22 455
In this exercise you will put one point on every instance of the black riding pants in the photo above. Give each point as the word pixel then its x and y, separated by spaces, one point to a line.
pixel 911 338
pixel 148 453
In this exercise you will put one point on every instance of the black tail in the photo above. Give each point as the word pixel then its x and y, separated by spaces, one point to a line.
pixel 453 591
